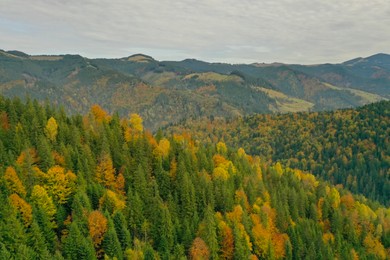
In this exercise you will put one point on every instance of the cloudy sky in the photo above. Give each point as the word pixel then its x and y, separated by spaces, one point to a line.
pixel 234 31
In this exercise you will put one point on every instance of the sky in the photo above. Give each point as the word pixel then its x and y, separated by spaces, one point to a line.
pixel 232 31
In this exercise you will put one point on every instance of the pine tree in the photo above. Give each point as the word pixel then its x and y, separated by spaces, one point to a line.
pixel 165 230
pixel 37 242
pixel 210 236
pixel 121 230
pixel 241 250
pixel 111 244
pixel 76 246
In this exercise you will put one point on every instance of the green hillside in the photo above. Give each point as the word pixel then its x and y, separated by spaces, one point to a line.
pixel 349 147
pixel 101 187
pixel 166 92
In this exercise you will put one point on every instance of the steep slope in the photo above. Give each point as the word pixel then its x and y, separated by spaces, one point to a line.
pixel 371 74
pixel 191 88
pixel 131 85
pixel 98 187
pixel 349 147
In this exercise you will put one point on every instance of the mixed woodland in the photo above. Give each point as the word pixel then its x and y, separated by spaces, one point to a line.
pixel 350 147
pixel 98 186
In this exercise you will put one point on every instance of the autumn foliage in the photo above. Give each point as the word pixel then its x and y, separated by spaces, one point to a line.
pixel 102 187
pixel 97 225
pixel 199 250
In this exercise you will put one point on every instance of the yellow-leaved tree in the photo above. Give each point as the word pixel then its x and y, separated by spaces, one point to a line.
pixel 13 182
pixel 105 172
pixel 40 196
pixel 97 225
pixel 112 202
pixel 136 122
pixel 227 240
pixel 60 183
pixel 163 147
pixel 23 207
pixel 221 148
pixel 51 129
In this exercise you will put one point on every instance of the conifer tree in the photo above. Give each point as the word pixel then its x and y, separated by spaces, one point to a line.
pixel 111 244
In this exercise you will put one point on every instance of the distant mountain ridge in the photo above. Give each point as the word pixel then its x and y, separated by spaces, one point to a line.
pixel 166 92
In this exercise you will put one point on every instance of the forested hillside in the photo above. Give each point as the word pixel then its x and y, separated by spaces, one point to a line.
pixel 98 186
pixel 166 92
pixel 349 147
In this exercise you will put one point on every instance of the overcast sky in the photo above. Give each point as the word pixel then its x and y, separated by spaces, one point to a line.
pixel 234 31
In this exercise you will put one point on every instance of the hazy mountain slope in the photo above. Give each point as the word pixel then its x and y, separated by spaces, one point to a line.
pixel 167 92
pixel 370 74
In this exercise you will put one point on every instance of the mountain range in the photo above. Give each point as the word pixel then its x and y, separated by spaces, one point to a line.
pixel 166 92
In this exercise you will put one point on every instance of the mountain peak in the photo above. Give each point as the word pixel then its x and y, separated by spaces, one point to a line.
pixel 379 59
pixel 139 57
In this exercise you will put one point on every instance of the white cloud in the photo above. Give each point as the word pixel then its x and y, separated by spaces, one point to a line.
pixel 294 31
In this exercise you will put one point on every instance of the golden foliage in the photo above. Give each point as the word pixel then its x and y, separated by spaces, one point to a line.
pixel 354 254
pixel 51 129
pixel 348 201
pixel 220 173
pixel 120 184
pixel 278 169
pixel 97 226
pixel 244 234
pixel 199 250
pixel 23 207
pixel 112 201
pixel 99 114
pixel 40 196
pixel 309 180
pixel 328 238
pixel 221 148
pixel 58 158
pixel 13 182
pixel 334 196
pixel 236 214
pixel 28 154
pixel 105 172
pixel 279 244
pixel 242 199
pixel 241 152
pixel 136 253
pixel 266 236
pixel 227 240
pixel 220 161
pixel 60 183
pixel 164 146
pixel 136 122
pixel 374 246
pixel 261 237
pixel 149 136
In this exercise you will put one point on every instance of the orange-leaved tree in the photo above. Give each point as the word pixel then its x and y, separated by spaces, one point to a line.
pixel 97 225
pixel 199 250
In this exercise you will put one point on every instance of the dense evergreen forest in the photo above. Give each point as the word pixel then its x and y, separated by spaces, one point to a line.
pixel 101 187
pixel 349 147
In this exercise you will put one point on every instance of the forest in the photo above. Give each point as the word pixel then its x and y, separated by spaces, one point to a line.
pixel 97 186
pixel 350 147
